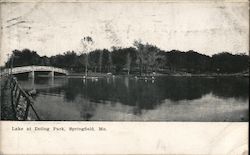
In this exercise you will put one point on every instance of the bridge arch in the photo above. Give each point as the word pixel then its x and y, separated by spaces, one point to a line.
pixel 32 69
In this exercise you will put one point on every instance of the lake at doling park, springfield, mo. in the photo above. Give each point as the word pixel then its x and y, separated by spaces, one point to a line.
pixel 124 98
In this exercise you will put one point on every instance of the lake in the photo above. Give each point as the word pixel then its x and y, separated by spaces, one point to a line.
pixel 129 99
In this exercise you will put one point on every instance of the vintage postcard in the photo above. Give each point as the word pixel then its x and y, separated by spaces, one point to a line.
pixel 124 77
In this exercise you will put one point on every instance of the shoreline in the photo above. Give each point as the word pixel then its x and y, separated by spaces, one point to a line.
pixel 104 75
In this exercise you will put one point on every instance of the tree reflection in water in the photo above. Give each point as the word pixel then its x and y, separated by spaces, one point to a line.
pixel 136 97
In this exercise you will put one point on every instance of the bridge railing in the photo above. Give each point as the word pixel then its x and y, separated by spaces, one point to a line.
pixel 22 103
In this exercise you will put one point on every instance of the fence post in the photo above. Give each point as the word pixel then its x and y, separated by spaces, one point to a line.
pixel 18 98
pixel 27 110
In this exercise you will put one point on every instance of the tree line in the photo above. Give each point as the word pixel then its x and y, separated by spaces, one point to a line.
pixel 139 59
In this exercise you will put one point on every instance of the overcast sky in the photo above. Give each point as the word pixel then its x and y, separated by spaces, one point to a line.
pixel 52 28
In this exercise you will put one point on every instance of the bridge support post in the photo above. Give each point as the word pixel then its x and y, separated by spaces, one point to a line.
pixel 33 83
pixel 32 74
pixel 51 81
pixel 52 74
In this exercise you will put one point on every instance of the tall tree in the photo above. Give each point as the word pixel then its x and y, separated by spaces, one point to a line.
pixel 25 57
pixel 128 62
pixel 147 56
pixel 100 60
pixel 141 54
pixel 87 42
pixel 110 62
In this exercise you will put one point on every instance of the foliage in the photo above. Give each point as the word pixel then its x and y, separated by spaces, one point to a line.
pixel 142 58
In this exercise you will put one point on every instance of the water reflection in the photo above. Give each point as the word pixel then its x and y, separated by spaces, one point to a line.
pixel 126 98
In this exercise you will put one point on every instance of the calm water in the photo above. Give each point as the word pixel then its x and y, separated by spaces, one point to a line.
pixel 128 99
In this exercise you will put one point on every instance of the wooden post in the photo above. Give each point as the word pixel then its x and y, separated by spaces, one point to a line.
pixel 26 110
pixel 18 98
pixel 15 92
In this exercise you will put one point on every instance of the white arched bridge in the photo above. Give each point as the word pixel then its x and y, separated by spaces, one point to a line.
pixel 32 69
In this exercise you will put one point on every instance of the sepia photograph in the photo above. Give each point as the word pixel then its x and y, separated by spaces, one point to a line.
pixel 124 77
pixel 124 61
